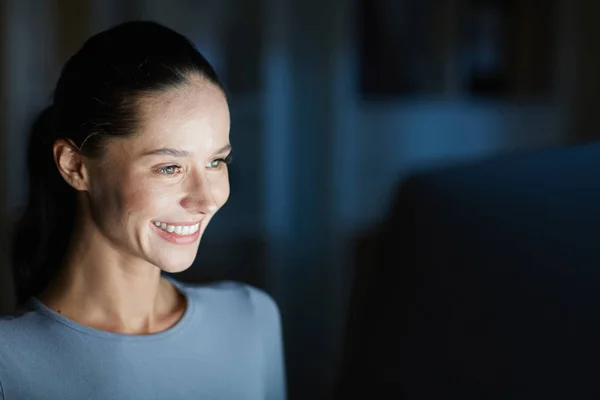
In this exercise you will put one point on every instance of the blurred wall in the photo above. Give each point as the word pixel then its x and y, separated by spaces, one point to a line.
pixel 27 66
pixel 587 100
pixel 6 290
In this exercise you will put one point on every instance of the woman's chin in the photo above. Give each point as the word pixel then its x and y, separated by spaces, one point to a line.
pixel 174 266
pixel 173 259
pixel 174 269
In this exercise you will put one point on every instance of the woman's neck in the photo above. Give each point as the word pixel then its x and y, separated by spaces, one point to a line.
pixel 100 287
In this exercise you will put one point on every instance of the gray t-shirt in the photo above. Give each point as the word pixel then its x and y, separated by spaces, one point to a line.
pixel 227 345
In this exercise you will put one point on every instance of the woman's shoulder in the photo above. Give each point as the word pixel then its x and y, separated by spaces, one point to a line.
pixel 233 296
pixel 23 316
pixel 20 329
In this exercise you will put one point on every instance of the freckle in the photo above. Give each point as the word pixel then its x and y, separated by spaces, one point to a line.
pixel 58 311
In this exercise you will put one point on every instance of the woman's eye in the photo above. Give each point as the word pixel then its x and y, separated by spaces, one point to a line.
pixel 215 163
pixel 169 170
pixel 220 162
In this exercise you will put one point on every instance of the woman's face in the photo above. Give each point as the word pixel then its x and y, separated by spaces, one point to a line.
pixel 152 195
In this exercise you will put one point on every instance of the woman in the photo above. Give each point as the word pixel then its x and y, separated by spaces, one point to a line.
pixel 127 167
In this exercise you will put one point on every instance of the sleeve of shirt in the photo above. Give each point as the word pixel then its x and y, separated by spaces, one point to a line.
pixel 270 321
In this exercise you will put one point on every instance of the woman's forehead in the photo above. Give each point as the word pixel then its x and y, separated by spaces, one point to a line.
pixel 193 119
pixel 192 99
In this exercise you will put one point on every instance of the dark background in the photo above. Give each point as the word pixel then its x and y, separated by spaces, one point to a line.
pixel 334 103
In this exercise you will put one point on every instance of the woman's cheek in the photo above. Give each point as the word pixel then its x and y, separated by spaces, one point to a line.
pixel 147 197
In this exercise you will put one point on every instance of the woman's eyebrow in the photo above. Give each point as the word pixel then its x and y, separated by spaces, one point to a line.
pixel 223 149
pixel 167 151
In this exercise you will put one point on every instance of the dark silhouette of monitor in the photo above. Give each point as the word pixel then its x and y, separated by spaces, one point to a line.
pixel 483 283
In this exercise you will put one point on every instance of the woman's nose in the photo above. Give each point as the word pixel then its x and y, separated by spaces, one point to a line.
pixel 200 198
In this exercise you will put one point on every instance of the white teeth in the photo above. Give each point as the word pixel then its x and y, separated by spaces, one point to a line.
pixel 178 229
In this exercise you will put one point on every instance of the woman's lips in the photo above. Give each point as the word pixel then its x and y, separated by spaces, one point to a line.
pixel 177 234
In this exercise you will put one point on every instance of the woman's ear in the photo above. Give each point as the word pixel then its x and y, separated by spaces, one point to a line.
pixel 69 162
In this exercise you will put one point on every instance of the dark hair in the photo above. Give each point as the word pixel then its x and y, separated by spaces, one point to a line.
pixel 95 98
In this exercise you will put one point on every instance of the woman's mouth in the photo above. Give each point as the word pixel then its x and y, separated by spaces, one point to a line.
pixel 177 233
pixel 182 230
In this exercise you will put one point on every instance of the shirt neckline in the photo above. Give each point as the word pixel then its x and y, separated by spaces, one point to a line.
pixel 40 307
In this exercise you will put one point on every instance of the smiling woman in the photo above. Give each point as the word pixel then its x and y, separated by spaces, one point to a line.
pixel 127 168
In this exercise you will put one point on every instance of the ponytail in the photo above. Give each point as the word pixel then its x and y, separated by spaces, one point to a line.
pixel 43 231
